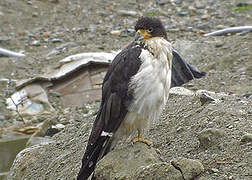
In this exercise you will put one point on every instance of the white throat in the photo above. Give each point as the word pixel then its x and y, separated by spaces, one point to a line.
pixel 150 86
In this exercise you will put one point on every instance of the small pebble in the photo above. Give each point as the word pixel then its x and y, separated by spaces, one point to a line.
pixel 35 14
pixel 193 9
pixel 178 1
pixel 46 35
pixel 4 39
pixel 210 125
pixel 246 138
pixel 162 2
pixel 220 26
pixel 60 126
pixel 54 1
pixel 230 178
pixel 241 70
pixel 2 117
pixel 179 129
pixel 248 95
pixel 229 126
pixel 56 40
pixel 202 32
pixel 205 98
pixel 132 31
pixel 67 110
pixel 173 30
pixel 84 11
pixel 29 2
pixel 20 32
pixel 127 13
pixel 221 147
pixel 214 170
pixel 219 44
pixel 35 43
pixel 81 30
pixel 204 26
pixel 30 35
pixel 189 85
pixel 199 5
pixel 183 13
pixel 205 17
pixel 115 32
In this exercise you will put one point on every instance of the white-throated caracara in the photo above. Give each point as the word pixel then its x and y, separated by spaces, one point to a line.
pixel 135 89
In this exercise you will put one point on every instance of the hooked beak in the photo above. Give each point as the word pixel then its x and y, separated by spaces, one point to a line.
pixel 138 36
pixel 142 34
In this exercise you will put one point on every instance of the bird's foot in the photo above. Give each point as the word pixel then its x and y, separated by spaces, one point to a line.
pixel 142 140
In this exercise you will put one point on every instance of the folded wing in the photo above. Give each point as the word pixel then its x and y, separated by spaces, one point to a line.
pixel 182 72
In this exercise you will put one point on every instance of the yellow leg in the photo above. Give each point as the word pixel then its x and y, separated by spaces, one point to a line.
pixel 140 139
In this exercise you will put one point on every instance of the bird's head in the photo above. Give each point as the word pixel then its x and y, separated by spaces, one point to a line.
pixel 147 27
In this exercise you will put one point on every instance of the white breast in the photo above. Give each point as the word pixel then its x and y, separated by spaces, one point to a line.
pixel 150 85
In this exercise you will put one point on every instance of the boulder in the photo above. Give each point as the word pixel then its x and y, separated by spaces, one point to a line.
pixel 188 167
pixel 162 170
pixel 128 161
pixel 140 161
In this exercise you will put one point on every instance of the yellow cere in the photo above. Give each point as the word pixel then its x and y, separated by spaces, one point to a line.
pixel 145 33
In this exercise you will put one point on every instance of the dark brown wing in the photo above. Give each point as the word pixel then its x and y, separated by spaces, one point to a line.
pixel 182 72
pixel 115 101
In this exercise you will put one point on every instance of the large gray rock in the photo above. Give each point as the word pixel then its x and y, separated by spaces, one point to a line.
pixel 162 170
pixel 142 162
pixel 188 167
pixel 128 161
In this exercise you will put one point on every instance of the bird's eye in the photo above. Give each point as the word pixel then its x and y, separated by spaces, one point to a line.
pixel 150 29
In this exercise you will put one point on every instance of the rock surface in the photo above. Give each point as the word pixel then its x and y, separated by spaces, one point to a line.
pixel 188 167
pixel 128 161
pixel 140 161
pixel 64 153
pixel 162 170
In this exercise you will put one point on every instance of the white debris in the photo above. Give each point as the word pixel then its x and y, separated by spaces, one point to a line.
pixel 30 100
pixel 6 52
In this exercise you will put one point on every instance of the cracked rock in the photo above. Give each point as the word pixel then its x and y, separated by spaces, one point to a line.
pixel 189 168
pixel 142 162
pixel 157 171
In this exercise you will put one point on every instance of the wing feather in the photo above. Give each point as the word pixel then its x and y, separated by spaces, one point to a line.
pixel 113 109
pixel 182 72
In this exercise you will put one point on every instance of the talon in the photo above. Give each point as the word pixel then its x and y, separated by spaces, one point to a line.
pixel 139 139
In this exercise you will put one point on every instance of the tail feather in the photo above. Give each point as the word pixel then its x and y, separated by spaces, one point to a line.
pixel 93 154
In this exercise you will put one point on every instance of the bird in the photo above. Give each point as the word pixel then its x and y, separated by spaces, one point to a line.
pixel 135 90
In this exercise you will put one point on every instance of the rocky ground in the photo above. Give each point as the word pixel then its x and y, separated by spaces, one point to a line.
pixel 218 134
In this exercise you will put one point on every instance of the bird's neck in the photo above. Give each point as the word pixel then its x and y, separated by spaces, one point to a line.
pixel 155 45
